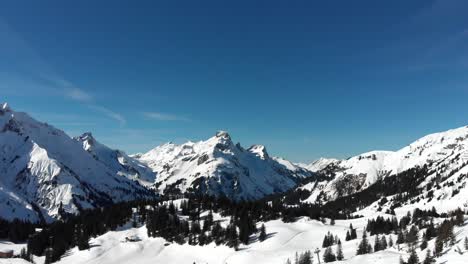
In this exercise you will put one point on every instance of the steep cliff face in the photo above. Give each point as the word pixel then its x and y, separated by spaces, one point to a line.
pixel 45 173
pixel 217 166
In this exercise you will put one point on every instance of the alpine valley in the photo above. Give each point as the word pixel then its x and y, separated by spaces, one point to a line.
pixel 75 200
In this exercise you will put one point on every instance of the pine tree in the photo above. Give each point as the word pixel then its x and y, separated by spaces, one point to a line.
pixel 339 252
pixel 353 232
pixel 328 255
pixel 466 243
pixel 263 234
pixel 48 255
pixel 413 258
pixel 348 236
pixel 412 236
pixel 305 258
pixel 429 259
pixel 364 245
pixel 423 245
pixel 134 220
pixel 400 238
pixel 377 243
pixel 390 241
pixel 208 221
pixel 383 243
pixel 202 239
pixel 439 246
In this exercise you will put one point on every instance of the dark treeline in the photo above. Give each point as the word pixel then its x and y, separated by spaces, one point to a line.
pixel 16 231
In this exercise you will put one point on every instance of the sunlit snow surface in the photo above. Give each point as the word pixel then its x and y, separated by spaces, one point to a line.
pixel 284 240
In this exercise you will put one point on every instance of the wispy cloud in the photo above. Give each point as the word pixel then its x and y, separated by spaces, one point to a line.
pixel 164 116
pixel 109 113
pixel 16 51
pixel 79 95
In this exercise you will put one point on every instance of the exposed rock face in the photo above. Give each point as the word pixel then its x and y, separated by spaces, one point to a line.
pixel 44 172
pixel 445 155
pixel 219 167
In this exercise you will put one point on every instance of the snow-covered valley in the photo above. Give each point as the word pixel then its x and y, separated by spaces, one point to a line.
pixel 48 176
pixel 282 243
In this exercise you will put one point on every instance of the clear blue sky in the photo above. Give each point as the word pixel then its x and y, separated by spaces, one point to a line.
pixel 305 78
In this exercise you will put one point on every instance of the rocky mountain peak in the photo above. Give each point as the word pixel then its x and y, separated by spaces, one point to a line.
pixel 260 151
pixel 4 107
pixel 223 134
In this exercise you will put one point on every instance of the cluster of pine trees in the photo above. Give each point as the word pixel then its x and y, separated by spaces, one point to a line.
pixel 17 230
pixel 351 233
pixel 303 258
pixel 329 255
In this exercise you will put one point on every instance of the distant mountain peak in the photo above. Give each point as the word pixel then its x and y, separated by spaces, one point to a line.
pixel 216 166
pixel 45 173
pixel 5 107
pixel 223 134
pixel 260 151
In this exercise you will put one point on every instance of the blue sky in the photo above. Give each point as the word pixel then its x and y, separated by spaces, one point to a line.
pixel 305 78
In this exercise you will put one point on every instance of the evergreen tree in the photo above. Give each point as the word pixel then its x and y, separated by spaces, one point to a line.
pixel 390 241
pixel 202 239
pixel 423 245
pixel 413 258
pixel 412 236
pixel 328 255
pixel 439 246
pixel 466 243
pixel 353 232
pixel 339 252
pixel 348 236
pixel 208 222
pixel 400 237
pixel 48 255
pixel 377 243
pixel 263 234
pixel 364 245
pixel 429 259
pixel 305 258
pixel 383 243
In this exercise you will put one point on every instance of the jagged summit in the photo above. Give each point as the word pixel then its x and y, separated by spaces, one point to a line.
pixel 260 151
pixel 5 107
pixel 218 167
pixel 44 172
pixel 223 134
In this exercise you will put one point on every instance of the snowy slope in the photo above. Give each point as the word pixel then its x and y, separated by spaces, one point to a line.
pixel 284 240
pixel 45 172
pixel 117 161
pixel 217 166
pixel 445 154
pixel 320 164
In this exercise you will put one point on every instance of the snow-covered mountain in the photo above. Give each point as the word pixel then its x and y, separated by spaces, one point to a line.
pixel 117 161
pixel 217 166
pixel 320 164
pixel 44 172
pixel 444 154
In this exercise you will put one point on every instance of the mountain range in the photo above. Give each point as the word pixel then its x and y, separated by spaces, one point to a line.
pixel 45 174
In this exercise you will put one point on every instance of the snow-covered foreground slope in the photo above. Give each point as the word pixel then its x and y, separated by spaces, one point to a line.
pixel 284 240
pixel 217 166
pixel 444 154
pixel 45 173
